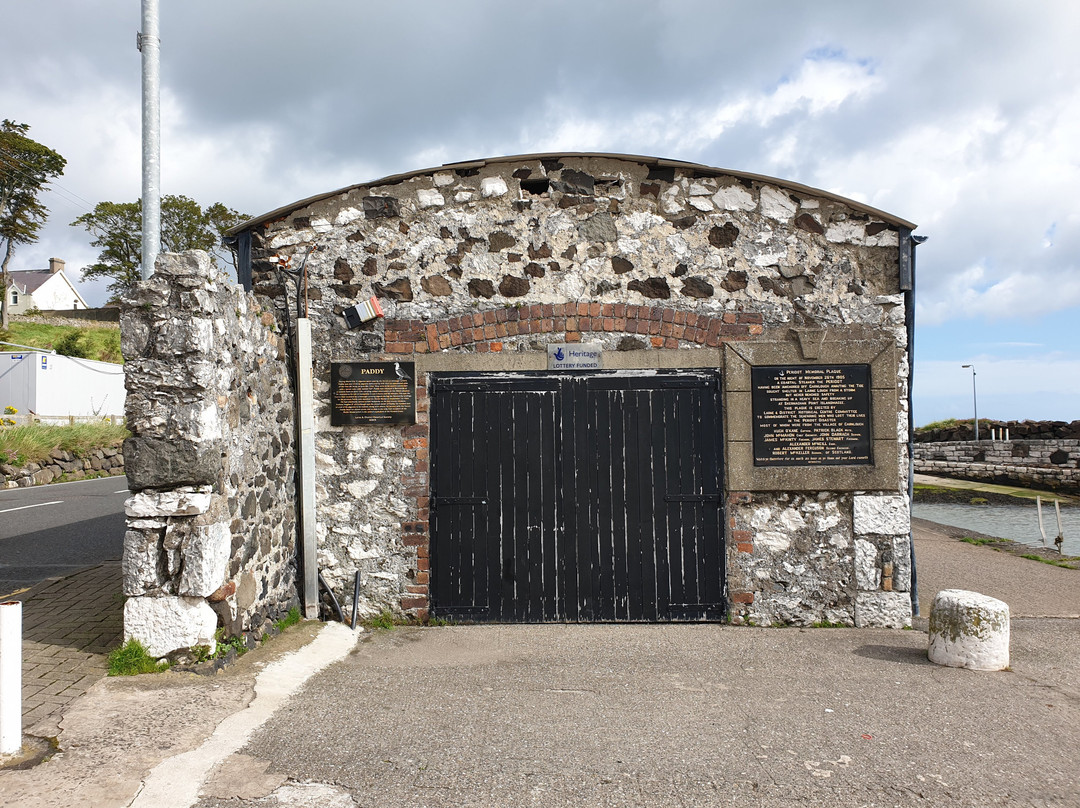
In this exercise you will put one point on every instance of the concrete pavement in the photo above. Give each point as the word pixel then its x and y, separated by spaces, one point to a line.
pixel 610 715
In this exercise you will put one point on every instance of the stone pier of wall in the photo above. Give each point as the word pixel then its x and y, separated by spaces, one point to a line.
pixel 211 522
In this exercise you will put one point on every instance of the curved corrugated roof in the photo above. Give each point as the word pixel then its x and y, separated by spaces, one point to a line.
pixel 393 179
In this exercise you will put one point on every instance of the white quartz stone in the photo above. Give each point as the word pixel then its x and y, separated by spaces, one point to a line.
pixel 776 204
pixel 348 216
pixel 429 199
pixel 772 541
pixel 734 197
pixel 165 624
pixel 205 552
pixel 867 571
pixel 361 489
pixel 701 203
pixel 882 610
pixel 885 515
pixel 492 186
pixel 177 502
pixel 901 546
pixel 850 231
pixel 443 178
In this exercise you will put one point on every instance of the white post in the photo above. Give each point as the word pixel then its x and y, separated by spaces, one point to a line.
pixel 306 414
pixel 1060 540
pixel 10 677
pixel 150 46
pixel 1042 530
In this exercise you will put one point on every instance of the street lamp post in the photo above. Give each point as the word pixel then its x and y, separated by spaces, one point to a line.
pixel 974 399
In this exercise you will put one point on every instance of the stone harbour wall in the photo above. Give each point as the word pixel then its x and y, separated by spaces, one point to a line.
pixel 211 531
pixel 1053 464
pixel 479 266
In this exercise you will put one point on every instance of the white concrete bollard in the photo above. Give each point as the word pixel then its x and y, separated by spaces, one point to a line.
pixel 969 630
pixel 10 677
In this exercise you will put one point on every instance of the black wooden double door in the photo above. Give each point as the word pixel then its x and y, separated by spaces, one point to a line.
pixel 590 497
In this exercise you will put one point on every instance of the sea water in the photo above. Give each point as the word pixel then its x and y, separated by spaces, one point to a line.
pixel 1017 522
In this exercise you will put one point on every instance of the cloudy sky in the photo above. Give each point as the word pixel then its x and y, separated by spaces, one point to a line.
pixel 962 116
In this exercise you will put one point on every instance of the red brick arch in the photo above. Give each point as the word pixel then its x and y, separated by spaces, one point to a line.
pixel 486 331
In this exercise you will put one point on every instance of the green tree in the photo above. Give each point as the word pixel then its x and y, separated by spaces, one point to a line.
pixel 26 167
pixel 185 225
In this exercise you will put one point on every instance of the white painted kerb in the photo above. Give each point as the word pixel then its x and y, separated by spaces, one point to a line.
pixel 175 782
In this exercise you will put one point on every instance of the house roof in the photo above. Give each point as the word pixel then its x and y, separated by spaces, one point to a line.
pixel 30 280
pixel 517 158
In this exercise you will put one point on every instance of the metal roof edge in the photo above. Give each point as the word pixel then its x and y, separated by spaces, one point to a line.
pixel 394 179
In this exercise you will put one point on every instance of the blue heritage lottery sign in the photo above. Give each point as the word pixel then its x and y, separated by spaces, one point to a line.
pixel 575 356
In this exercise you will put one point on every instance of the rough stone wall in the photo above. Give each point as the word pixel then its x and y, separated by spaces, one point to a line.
pixel 1017 430
pixel 494 260
pixel 1041 463
pixel 62 466
pixel 803 559
pixel 211 521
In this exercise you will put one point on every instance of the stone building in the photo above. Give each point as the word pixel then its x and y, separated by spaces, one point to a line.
pixel 604 387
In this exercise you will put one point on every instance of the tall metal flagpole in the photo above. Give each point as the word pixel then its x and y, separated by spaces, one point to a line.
pixel 150 46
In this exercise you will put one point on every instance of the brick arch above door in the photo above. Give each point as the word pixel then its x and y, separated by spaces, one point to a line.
pixel 488 331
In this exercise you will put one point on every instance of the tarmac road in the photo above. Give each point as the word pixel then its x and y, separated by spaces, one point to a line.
pixel 52 530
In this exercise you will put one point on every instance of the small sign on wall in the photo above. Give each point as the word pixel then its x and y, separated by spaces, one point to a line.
pixel 575 356
pixel 372 393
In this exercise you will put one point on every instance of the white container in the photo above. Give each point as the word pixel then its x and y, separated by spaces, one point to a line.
pixel 54 387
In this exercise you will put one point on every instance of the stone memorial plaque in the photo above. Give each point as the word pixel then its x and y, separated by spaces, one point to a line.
pixel 368 393
pixel 811 415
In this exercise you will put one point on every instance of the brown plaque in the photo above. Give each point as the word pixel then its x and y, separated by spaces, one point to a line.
pixel 811 415
pixel 372 393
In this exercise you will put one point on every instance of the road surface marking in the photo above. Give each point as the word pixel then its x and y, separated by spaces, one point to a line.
pixel 39 505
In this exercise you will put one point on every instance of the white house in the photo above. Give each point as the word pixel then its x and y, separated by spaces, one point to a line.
pixel 43 289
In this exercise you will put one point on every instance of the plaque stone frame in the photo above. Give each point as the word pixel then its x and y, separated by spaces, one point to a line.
pixel 834 346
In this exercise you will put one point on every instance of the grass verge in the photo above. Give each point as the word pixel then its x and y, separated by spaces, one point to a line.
pixel 1069 563
pixel 33 443
pixel 985 542
pixel 87 342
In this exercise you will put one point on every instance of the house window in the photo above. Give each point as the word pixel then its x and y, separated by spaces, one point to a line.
pixel 14 296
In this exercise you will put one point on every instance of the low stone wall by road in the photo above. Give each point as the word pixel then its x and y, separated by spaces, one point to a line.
pixel 1053 464
pixel 63 466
